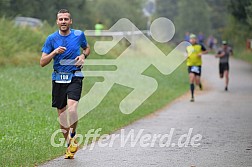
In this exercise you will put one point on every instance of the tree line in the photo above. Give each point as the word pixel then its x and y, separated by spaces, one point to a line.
pixel 208 16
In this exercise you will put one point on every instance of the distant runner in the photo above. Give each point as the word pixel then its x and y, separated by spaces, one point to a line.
pixel 224 52
pixel 98 28
pixel 194 63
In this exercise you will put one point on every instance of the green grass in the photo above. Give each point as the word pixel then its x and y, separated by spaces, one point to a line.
pixel 28 121
pixel 243 54
pixel 27 118
pixel 20 45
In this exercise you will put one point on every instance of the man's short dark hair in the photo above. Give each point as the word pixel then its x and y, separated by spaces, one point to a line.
pixel 63 11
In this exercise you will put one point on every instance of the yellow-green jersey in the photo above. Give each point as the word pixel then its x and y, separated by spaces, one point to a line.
pixel 98 28
pixel 193 51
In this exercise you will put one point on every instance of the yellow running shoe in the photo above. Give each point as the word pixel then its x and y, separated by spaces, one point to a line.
pixel 68 154
pixel 73 146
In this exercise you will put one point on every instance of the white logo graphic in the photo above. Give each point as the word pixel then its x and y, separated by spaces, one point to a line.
pixel 139 56
pixel 132 138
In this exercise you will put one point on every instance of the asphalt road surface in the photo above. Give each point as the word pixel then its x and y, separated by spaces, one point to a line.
pixel 215 130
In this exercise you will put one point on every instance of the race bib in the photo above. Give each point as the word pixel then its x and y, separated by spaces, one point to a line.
pixel 63 77
pixel 195 69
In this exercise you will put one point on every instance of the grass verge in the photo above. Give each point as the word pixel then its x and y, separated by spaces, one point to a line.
pixel 28 121
pixel 243 54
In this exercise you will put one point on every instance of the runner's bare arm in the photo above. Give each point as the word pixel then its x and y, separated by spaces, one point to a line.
pixel 220 54
pixel 86 51
pixel 231 52
pixel 204 52
pixel 80 59
pixel 46 58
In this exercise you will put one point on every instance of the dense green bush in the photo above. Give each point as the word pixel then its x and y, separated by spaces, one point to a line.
pixel 20 45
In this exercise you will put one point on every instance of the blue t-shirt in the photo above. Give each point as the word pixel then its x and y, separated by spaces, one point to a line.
pixel 73 42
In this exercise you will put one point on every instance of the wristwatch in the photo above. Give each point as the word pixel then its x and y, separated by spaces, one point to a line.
pixel 85 55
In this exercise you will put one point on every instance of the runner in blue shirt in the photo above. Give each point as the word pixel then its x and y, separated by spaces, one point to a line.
pixel 63 46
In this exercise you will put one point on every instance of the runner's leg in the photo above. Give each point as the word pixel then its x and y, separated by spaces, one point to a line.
pixel 198 82
pixel 73 116
pixel 221 70
pixel 63 121
pixel 192 81
pixel 226 74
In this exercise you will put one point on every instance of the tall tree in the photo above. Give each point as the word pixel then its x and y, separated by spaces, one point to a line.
pixel 4 5
pixel 110 12
pixel 42 9
pixel 241 11
pixel 218 14
pixel 193 16
pixel 167 8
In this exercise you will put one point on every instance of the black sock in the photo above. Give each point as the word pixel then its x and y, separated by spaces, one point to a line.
pixel 72 134
pixel 192 90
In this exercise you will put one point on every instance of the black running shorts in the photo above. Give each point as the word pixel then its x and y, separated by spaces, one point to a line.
pixel 63 91
pixel 223 67
pixel 195 70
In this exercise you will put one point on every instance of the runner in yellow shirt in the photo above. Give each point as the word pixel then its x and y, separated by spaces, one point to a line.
pixel 194 63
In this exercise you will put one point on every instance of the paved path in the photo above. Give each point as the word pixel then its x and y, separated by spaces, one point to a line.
pixel 223 119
